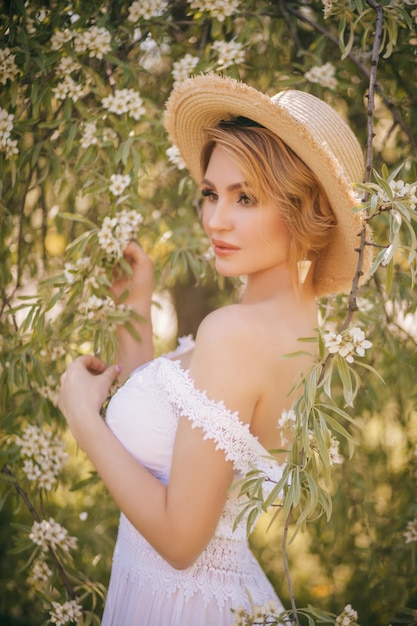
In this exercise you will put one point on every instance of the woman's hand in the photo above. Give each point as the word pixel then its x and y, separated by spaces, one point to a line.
pixel 84 388
pixel 140 283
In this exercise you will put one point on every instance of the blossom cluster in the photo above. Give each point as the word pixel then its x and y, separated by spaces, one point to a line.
pixel 97 309
pixel 335 458
pixel 91 137
pixel 183 68
pixel 83 269
pixel 327 8
pixel 43 454
pixel 68 88
pixel 66 66
pixel 125 101
pixel 119 182
pixel 287 423
pixel 94 40
pixel 410 533
pixel 8 67
pixel 348 343
pixel 7 145
pixel 174 157
pixel 146 9
pixel 229 53
pixel 61 614
pixel 48 533
pixel 259 614
pixel 401 191
pixel 219 9
pixel 41 573
pixel 49 391
pixel 116 232
pixel 347 617
pixel 324 75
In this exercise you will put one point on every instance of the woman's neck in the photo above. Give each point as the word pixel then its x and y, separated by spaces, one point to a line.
pixel 276 283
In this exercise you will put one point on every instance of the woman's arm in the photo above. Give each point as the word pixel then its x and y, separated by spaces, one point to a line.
pixel 179 519
pixel 132 353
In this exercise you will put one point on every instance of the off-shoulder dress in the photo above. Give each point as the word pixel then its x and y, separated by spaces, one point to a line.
pixel 144 590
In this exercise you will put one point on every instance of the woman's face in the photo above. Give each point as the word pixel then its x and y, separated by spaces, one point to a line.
pixel 247 237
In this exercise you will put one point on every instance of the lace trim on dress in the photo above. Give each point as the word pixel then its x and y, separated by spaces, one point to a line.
pixel 220 424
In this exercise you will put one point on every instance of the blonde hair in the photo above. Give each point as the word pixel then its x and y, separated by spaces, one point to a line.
pixel 277 176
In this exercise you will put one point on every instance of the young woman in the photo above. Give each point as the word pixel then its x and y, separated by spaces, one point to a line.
pixel 275 178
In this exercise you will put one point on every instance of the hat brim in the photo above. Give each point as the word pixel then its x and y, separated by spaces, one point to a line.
pixel 303 122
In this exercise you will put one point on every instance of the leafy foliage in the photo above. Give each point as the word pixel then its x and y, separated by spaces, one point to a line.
pixel 82 141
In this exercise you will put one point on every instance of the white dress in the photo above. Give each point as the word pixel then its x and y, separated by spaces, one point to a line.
pixel 144 590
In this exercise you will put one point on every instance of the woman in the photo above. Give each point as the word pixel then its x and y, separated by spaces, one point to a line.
pixel 275 177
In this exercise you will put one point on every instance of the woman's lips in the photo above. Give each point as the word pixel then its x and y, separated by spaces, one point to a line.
pixel 222 248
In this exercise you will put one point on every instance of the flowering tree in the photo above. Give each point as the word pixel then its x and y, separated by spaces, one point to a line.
pixel 85 167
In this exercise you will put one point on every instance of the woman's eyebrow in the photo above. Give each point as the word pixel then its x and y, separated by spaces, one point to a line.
pixel 205 181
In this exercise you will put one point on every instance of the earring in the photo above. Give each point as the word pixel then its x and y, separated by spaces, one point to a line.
pixel 303 268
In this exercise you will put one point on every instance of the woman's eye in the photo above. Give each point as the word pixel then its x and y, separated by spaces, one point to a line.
pixel 208 193
pixel 246 200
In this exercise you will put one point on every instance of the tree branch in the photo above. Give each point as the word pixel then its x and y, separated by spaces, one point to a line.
pixel 361 67
pixel 34 513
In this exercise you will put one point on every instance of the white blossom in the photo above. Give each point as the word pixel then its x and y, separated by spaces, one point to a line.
pixel 349 342
pixel 61 37
pixel 146 9
pixel 119 183
pixel 219 9
pixel 41 573
pixel 183 68
pixel 334 455
pixel 71 270
pixel 8 67
pixel 94 40
pixel 68 88
pixel 324 75
pixel 327 7
pixel 261 614
pixel 174 157
pixel 116 232
pixel 410 534
pixel 44 455
pixel 61 614
pixel 49 533
pixel 109 135
pixel 347 617
pixel 400 191
pixel 287 423
pixel 125 101
pixel 7 145
pixel 89 136
pixel 229 53
pixel 66 66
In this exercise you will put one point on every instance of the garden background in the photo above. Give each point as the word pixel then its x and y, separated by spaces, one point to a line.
pixel 85 164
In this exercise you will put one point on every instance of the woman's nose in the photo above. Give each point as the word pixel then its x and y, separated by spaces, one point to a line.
pixel 219 216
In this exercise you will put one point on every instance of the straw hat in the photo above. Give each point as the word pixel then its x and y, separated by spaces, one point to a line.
pixel 316 133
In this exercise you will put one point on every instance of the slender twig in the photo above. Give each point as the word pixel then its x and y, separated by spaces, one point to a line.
pixel 34 513
pixel 361 67
pixel 372 86
pixel 287 567
pixel 369 152
pixel 22 493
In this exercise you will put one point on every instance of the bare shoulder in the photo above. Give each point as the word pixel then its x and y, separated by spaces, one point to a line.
pixel 221 362
pixel 227 323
